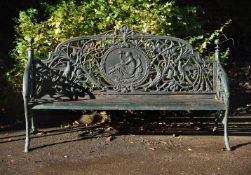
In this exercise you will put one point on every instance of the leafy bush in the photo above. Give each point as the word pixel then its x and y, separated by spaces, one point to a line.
pixel 73 18
pixel 203 42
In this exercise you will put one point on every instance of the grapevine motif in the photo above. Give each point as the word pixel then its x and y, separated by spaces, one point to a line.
pixel 125 61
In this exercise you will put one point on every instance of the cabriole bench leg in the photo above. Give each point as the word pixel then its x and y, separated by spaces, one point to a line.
pixel 225 123
pixel 33 127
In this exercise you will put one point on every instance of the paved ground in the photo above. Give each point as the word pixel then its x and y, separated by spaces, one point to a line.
pixel 73 152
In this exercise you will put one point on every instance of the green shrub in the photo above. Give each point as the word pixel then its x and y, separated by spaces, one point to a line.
pixel 73 18
pixel 203 42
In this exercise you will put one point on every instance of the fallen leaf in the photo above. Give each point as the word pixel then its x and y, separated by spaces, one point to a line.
pixel 197 128
pixel 103 120
pixel 109 129
pixel 163 142
pixel 214 129
pixel 103 113
pixel 110 138
pixel 8 139
pixel 152 148
pixel 40 133
pixel 75 123
pixel 67 126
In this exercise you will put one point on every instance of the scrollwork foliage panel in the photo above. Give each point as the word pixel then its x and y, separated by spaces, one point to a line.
pixel 126 61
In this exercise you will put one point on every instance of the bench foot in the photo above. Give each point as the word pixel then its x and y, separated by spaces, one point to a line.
pixel 27 145
pixel 33 127
pixel 218 115
pixel 225 124
pixel 27 130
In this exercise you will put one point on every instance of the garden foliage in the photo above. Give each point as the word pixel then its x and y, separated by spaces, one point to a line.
pixel 70 18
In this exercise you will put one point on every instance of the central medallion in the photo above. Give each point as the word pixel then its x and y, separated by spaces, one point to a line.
pixel 124 66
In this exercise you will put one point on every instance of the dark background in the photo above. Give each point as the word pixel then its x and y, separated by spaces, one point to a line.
pixel 216 12
pixel 213 14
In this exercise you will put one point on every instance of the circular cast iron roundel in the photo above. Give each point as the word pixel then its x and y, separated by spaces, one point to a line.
pixel 125 66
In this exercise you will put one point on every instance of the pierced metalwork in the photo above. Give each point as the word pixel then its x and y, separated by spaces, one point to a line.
pixel 127 61
pixel 58 85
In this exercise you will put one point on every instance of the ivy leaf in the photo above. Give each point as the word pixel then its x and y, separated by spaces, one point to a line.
pixel 100 26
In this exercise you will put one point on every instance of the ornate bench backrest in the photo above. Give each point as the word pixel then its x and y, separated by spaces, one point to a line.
pixel 126 61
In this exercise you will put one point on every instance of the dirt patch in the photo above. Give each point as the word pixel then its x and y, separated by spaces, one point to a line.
pixel 67 152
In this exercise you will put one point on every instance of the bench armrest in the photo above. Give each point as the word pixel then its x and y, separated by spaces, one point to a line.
pixel 28 85
pixel 222 86
pixel 42 83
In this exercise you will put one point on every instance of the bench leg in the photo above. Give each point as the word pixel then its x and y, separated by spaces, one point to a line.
pixel 218 117
pixel 225 123
pixel 33 127
pixel 27 131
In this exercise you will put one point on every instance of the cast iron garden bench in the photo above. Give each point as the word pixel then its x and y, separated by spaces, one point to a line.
pixel 124 69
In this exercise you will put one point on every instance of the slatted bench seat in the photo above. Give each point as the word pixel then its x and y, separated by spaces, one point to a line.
pixel 124 69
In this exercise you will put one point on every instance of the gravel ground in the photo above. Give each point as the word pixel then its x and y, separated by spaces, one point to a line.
pixel 79 151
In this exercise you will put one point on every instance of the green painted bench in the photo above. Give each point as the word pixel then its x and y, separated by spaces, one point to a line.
pixel 124 69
